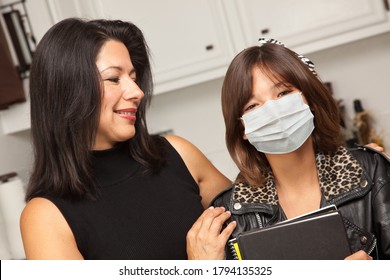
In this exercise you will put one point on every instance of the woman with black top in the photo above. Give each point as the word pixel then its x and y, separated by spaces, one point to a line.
pixel 101 186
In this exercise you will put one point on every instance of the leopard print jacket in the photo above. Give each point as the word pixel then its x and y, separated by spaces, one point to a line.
pixel 356 181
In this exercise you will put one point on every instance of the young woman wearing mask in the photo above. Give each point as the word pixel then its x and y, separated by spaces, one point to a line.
pixel 283 133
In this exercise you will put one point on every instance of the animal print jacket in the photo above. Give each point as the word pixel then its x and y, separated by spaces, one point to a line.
pixel 356 181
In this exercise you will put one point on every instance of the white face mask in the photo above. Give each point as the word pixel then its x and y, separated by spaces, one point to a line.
pixel 279 126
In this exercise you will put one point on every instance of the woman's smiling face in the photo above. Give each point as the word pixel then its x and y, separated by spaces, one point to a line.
pixel 120 98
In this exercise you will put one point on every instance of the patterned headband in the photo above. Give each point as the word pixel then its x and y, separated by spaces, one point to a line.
pixel 304 59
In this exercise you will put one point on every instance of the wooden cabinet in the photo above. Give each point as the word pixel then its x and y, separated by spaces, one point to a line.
pixel 189 40
pixel 307 25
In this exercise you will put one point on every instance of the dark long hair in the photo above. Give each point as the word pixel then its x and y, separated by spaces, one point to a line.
pixel 65 90
pixel 281 65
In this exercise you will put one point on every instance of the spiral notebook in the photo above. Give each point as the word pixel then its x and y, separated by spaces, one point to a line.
pixel 319 235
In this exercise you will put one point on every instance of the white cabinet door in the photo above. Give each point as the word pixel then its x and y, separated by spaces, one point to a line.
pixel 189 40
pixel 308 25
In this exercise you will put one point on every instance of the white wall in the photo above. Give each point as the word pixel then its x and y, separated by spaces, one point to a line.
pixel 16 154
pixel 356 70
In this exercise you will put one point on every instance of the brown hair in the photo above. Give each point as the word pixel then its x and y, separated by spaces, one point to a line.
pixel 282 65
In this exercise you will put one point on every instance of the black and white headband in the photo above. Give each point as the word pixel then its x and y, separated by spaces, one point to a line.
pixel 304 59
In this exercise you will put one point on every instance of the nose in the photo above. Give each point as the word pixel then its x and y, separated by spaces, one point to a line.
pixel 132 91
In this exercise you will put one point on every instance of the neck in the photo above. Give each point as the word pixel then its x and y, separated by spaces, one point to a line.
pixel 296 180
pixel 296 166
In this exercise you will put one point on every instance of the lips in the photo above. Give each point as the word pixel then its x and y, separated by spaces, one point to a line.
pixel 129 113
pixel 126 113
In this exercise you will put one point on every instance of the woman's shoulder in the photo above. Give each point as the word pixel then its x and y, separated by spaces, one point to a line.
pixel 375 163
pixel 41 207
pixel 223 199
pixel 368 155
pixel 184 148
pixel 44 230
pixel 39 214
pixel 209 179
pixel 180 144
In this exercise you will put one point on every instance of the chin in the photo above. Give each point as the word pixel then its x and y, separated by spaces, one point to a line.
pixel 127 135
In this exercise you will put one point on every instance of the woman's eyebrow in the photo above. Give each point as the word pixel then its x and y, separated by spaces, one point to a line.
pixel 112 67
pixel 281 84
pixel 132 71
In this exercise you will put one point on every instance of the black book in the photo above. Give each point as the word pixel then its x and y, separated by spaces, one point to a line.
pixel 318 235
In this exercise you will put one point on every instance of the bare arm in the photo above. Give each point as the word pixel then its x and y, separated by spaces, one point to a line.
pixel 45 232
pixel 209 179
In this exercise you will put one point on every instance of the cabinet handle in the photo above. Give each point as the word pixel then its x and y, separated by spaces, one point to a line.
pixel 4 178
pixel 209 47
pixel 264 31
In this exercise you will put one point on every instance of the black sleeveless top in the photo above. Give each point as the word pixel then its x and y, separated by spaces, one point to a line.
pixel 135 216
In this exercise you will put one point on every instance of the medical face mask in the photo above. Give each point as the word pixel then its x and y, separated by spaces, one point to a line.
pixel 279 126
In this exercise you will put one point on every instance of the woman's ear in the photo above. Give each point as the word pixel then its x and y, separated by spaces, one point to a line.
pixel 244 137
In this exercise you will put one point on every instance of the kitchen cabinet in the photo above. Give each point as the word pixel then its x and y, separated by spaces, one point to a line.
pixel 307 25
pixel 189 40
pixel 17 117
pixel 193 41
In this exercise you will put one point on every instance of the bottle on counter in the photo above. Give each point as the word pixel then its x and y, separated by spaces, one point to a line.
pixel 362 122
pixel 349 132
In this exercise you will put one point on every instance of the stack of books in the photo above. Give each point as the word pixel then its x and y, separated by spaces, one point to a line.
pixel 318 235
